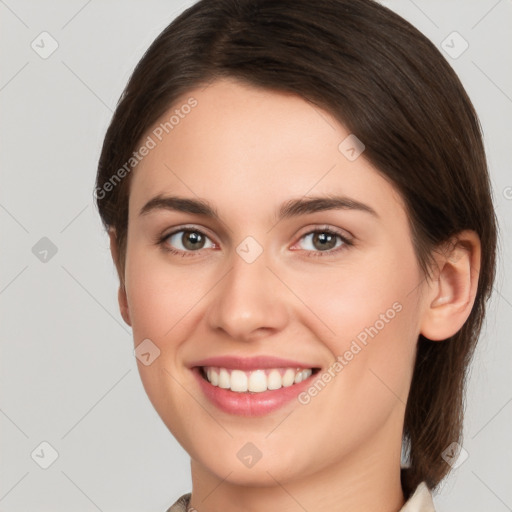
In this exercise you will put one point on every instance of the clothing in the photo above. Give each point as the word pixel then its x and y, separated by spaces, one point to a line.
pixel 420 501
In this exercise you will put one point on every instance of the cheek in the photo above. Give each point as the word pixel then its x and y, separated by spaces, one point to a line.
pixel 367 293
pixel 372 315
pixel 159 295
pixel 161 300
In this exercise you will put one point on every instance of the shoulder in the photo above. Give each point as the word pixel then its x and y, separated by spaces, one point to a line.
pixel 181 505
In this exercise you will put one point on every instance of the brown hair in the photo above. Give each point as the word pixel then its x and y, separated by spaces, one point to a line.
pixel 390 86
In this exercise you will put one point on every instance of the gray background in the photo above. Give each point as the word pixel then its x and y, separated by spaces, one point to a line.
pixel 68 373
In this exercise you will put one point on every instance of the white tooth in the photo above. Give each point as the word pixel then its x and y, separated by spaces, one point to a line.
pixel 257 381
pixel 288 377
pixel 214 377
pixel 224 380
pixel 274 380
pixel 238 381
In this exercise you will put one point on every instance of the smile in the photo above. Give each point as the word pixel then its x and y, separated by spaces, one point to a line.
pixel 252 386
pixel 256 381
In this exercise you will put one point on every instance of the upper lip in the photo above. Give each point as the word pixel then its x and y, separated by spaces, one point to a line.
pixel 250 363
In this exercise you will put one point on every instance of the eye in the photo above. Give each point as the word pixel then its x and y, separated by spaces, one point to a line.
pixel 324 240
pixel 319 242
pixel 186 241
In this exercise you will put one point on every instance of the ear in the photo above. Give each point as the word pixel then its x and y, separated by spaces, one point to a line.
pixel 453 289
pixel 121 294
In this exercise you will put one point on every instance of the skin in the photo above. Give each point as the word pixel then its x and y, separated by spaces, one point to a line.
pixel 246 151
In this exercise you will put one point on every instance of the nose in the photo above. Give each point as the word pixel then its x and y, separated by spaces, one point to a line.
pixel 249 301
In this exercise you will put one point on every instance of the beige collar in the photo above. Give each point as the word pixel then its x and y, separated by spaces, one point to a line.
pixel 420 501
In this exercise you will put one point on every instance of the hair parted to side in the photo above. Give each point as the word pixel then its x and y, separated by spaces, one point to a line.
pixel 391 87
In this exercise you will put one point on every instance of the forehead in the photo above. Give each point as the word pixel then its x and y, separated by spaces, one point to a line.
pixel 247 149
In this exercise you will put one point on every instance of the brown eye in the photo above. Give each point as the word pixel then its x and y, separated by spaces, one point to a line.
pixel 188 240
pixel 192 240
pixel 323 240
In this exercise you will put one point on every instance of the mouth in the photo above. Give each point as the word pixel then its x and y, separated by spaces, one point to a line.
pixel 255 381
pixel 253 393
pixel 252 386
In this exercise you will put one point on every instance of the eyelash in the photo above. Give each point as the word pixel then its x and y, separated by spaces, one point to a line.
pixel 162 241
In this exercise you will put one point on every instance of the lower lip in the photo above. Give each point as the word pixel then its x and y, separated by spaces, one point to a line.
pixel 250 404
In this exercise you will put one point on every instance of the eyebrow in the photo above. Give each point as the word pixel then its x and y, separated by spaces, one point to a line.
pixel 291 208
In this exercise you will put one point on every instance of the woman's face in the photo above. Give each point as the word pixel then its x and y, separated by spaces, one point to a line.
pixel 323 287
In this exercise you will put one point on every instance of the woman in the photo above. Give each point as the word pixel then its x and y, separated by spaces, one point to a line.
pixel 300 214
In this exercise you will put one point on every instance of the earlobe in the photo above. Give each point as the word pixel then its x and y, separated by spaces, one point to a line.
pixel 453 290
pixel 121 294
